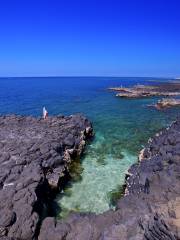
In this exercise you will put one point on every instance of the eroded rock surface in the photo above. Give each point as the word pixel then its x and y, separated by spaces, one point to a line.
pixel 34 154
pixel 150 209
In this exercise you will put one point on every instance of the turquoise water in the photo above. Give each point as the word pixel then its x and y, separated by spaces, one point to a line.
pixel 121 128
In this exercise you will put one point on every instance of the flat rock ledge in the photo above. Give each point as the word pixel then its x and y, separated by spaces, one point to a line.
pixel 34 156
pixel 144 91
pixel 150 208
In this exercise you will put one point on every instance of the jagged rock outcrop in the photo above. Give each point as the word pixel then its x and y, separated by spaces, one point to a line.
pixel 34 156
pixel 150 208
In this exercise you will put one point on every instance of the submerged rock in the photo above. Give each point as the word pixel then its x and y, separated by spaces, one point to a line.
pixel 150 209
pixel 34 156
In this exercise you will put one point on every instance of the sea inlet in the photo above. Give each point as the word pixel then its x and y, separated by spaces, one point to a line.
pixel 121 126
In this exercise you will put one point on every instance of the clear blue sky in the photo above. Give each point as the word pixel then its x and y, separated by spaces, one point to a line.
pixel 90 38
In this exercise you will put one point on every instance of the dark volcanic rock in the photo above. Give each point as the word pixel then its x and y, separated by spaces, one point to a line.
pixel 34 157
pixel 150 208
pixel 34 154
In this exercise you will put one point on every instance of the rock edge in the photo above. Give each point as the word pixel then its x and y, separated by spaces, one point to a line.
pixel 34 157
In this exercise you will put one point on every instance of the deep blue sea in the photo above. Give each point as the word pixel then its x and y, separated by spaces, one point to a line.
pixel 121 126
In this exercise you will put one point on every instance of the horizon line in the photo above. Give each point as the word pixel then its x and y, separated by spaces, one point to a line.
pixel 86 76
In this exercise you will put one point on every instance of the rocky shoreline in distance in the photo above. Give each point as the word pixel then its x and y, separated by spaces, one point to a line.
pixel 150 208
pixel 34 159
pixel 141 91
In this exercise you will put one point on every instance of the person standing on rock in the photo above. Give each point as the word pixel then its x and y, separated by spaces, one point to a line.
pixel 146 186
pixel 45 113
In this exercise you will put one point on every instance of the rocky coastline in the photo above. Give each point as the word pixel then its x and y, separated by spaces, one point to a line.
pixel 35 155
pixel 150 207
pixel 141 91
pixel 34 160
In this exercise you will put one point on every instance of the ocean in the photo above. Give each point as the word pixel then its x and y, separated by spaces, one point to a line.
pixel 122 127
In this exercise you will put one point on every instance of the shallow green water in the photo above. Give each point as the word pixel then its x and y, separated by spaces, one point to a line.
pixel 101 180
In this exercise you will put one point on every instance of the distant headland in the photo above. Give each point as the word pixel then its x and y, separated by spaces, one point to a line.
pixel 168 90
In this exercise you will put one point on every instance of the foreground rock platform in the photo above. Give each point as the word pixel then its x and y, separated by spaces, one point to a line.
pixel 34 156
pixel 150 207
